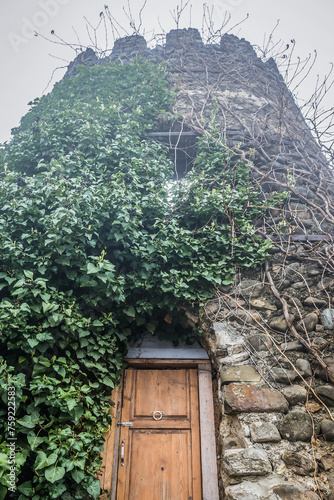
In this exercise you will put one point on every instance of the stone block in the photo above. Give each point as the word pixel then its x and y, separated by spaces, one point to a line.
pixel 226 336
pixel 300 463
pixel 329 360
pixel 129 45
pixel 292 346
pixel 313 272
pixel 327 429
pixel 327 318
pixel 293 270
pixel 330 479
pixel 259 342
pixel 246 317
pixel 304 367
pixel 294 492
pixel 327 461
pixel 235 358
pixel 307 323
pixel 296 426
pixel 295 302
pixel 213 307
pixel 246 462
pixel 299 286
pixel 264 432
pixel 326 393
pixel 295 394
pixel 248 398
pixel 314 302
pixel 263 304
pixel 250 288
pixel 325 283
pixel 269 488
pixel 239 373
pixel 283 376
pixel 232 443
pixel 183 37
pixel 192 319
pixel 280 324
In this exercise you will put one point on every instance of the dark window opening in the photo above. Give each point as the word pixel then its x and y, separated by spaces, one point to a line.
pixel 181 145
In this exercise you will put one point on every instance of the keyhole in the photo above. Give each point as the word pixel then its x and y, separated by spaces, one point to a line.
pixel 162 468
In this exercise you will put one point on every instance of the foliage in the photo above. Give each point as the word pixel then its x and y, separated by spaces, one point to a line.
pixel 97 246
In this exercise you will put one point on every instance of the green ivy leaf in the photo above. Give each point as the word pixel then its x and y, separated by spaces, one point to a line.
pixel 44 460
pixel 91 269
pixel 77 412
pixel 33 342
pixel 27 489
pixel 109 382
pixel 53 474
pixel 27 421
pixel 34 440
pixel 3 492
pixel 78 475
pixel 94 489
pixel 71 403
pixel 4 461
pixel 130 311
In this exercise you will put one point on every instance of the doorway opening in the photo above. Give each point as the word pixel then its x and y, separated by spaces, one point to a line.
pixel 162 441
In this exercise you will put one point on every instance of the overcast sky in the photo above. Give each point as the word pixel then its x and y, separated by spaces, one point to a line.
pixel 28 61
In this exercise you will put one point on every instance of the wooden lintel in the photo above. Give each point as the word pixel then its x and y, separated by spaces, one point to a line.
pixel 166 363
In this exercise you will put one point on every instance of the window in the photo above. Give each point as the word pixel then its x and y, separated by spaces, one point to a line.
pixel 181 146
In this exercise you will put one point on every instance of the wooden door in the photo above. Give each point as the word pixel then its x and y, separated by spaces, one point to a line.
pixel 159 457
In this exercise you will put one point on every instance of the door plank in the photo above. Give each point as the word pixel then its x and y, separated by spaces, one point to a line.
pixel 195 437
pixel 164 471
pixel 163 390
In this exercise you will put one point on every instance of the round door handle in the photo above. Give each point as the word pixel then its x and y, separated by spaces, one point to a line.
pixel 157 415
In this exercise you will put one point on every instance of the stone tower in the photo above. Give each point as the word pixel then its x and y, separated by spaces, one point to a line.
pixel 269 336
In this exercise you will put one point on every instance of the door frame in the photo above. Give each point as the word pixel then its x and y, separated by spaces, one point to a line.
pixel 207 427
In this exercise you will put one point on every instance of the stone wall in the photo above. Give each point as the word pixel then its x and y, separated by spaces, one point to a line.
pixel 274 432
pixel 270 335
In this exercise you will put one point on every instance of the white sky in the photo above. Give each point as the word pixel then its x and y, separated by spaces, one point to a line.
pixel 27 64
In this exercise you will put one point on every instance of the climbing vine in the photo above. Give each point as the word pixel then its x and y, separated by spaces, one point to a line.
pixel 98 245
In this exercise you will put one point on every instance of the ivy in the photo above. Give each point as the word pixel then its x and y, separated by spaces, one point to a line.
pixel 97 246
